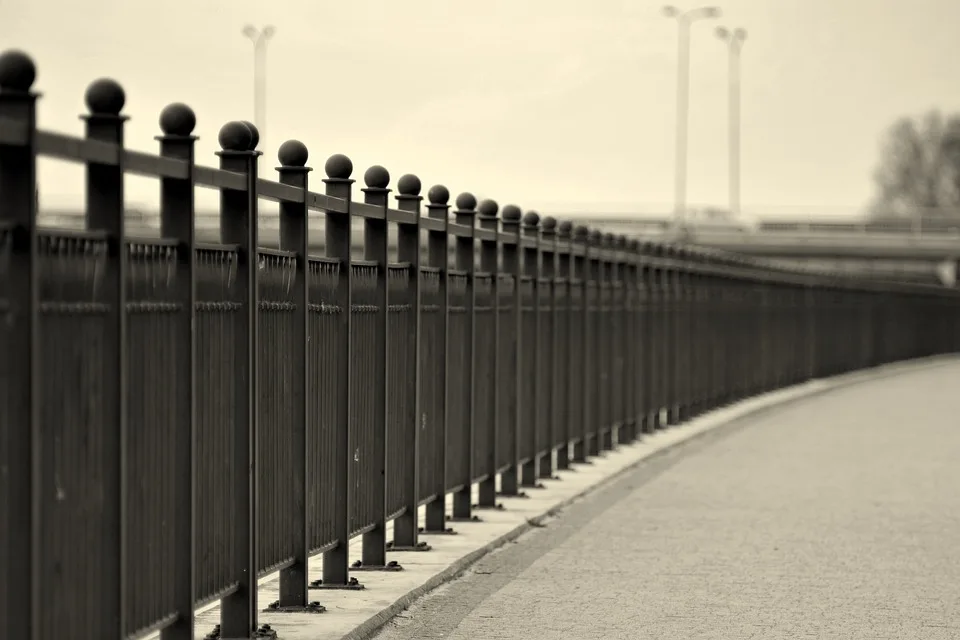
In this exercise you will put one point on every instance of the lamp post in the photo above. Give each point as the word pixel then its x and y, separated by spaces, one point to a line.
pixel 734 40
pixel 684 20
pixel 259 38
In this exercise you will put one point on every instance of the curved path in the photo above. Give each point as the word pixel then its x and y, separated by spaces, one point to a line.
pixel 837 516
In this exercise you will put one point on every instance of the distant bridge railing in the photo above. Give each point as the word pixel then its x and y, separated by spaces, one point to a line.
pixel 947 225
pixel 179 417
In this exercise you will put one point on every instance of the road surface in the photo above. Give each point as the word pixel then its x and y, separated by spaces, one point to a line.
pixel 834 517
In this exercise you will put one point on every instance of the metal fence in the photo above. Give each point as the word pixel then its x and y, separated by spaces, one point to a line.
pixel 178 418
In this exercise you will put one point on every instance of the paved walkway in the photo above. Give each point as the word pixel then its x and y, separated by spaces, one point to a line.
pixel 836 517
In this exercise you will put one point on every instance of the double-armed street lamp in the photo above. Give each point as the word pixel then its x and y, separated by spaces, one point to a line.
pixel 684 20
pixel 734 39
pixel 259 38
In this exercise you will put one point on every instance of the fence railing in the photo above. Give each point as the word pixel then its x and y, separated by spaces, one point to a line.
pixel 178 418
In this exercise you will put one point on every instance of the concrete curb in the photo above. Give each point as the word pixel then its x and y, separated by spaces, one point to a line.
pixel 814 388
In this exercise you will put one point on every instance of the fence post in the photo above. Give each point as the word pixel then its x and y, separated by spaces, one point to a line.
pixel 646 333
pixel 637 332
pixel 489 263
pixel 295 237
pixel 466 260
pixel 405 526
pixel 438 256
pixel 549 348
pixel 376 249
pixel 238 226
pixel 594 360
pixel 105 208
pixel 685 336
pixel 528 378
pixel 620 369
pixel 177 218
pixel 510 477
pixel 605 331
pixel 562 400
pixel 628 385
pixel 25 604
pixel 336 561
pixel 583 274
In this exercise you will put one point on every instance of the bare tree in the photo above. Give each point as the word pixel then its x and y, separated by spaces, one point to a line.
pixel 919 172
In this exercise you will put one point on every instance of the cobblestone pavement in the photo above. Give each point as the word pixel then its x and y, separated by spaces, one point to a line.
pixel 835 517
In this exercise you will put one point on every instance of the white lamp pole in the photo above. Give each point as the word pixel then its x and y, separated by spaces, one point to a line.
pixel 259 38
pixel 734 40
pixel 684 20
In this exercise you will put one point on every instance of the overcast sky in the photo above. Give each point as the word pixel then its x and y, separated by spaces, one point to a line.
pixel 560 105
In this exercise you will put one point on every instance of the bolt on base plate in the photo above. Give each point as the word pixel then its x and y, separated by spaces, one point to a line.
pixel 352 585
pixel 393 565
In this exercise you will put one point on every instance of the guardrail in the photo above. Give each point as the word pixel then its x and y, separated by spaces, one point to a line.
pixel 178 417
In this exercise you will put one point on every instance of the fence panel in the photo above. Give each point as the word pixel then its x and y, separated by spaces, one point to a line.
pixel 218 317
pixel 507 375
pixel 485 377
pixel 75 410
pixel 277 455
pixel 401 389
pixel 458 385
pixel 363 433
pixel 323 411
pixel 431 417
pixel 153 409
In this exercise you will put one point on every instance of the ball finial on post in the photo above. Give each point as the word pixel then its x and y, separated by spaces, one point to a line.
pixel 105 97
pixel 438 195
pixel 466 203
pixel 511 214
pixel 235 136
pixel 488 208
pixel 531 219
pixel 177 119
pixel 376 177
pixel 409 185
pixel 293 153
pixel 338 167
pixel 17 71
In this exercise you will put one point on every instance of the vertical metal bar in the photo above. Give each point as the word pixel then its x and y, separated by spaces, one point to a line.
pixel 177 218
pixel 594 356
pixel 547 392
pixel 489 263
pixel 672 308
pixel 295 237
pixel 628 272
pixel 647 373
pixel 26 583
pixel 582 271
pixel 529 430
pixel 336 561
pixel 466 260
pixel 438 256
pixel 405 526
pixel 238 226
pixel 562 415
pixel 607 338
pixel 105 211
pixel 510 216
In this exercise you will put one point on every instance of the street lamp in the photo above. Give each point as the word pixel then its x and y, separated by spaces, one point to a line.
pixel 684 20
pixel 259 38
pixel 734 40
